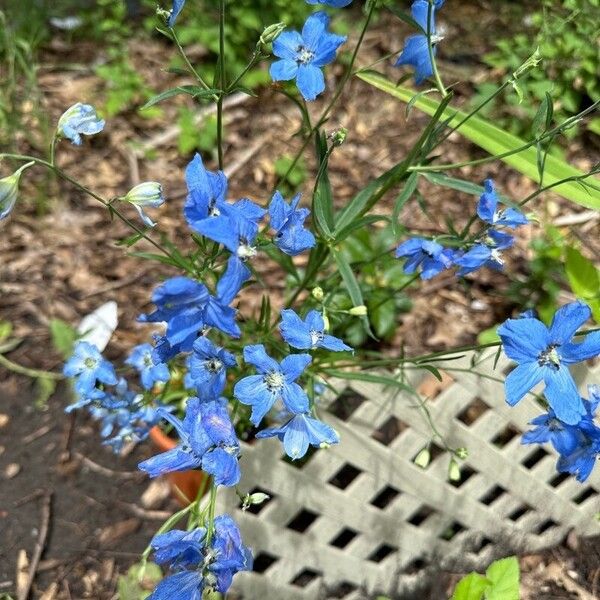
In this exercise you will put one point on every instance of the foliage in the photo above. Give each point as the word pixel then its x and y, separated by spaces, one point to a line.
pixel 500 582
pixel 562 29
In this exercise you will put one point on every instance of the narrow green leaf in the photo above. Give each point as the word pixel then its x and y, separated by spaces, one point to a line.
pixel 359 224
pixel 322 205
pixel 496 141
pixel 161 258
pixel 190 90
pixel 583 276
pixel 369 377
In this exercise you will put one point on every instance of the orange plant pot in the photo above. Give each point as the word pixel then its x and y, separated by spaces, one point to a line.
pixel 185 485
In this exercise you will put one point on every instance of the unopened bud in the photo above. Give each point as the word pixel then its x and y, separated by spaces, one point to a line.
pixel 143 195
pixel 461 453
pixel 318 293
pixel 338 136
pixel 533 61
pixel 253 499
pixel 453 471
pixel 358 311
pixel 271 33
pixel 422 459
pixel 9 188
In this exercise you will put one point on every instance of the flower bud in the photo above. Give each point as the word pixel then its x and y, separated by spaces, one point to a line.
pixel 270 33
pixel 358 311
pixel 325 322
pixel 422 459
pixel 9 188
pixel 338 136
pixel 253 499
pixel 77 120
pixel 461 453
pixel 453 471
pixel 143 195
pixel 318 293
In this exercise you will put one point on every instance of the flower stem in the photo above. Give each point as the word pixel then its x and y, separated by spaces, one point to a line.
pixel 222 83
pixel 33 373
pixel 436 74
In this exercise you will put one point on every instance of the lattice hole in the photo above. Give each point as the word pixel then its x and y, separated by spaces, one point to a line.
pixel 385 497
pixel 345 476
pixel 492 495
pixel 584 495
pixel 415 566
pixel 546 526
pixel 341 590
pixel 505 436
pixel 300 463
pixel 302 521
pixel 519 512
pixel 421 515
pixel 558 479
pixel 484 543
pixel 473 411
pixel 346 404
pixel 263 562
pixel 381 553
pixel 466 472
pixel 343 538
pixel 305 577
pixel 454 529
pixel 534 458
pixel 389 431
pixel 256 509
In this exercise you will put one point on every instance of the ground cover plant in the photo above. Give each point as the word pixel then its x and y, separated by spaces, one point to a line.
pixel 213 375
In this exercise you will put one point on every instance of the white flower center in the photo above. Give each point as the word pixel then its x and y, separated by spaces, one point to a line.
pixel 246 251
pixel 315 337
pixel 213 365
pixel 497 256
pixel 304 55
pixel 274 381
pixel 549 357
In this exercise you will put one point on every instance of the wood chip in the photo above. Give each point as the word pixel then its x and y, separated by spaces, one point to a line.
pixel 4 419
pixel 113 533
pixel 156 493
pixel 12 470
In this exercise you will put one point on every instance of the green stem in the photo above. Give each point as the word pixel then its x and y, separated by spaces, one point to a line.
pixel 33 373
pixel 222 84
pixel 53 150
pixel 436 73
pixel 210 526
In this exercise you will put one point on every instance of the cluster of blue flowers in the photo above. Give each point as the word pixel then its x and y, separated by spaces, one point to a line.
pixel 199 561
pixel 433 258
pixel 544 354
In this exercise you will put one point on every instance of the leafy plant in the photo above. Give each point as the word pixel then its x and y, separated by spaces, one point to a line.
pixel 500 582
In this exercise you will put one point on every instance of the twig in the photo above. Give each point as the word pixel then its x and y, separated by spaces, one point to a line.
pixel 38 433
pixel 33 496
pixel 93 466
pixel 142 513
pixel 39 546
pixel 577 218
pixel 115 285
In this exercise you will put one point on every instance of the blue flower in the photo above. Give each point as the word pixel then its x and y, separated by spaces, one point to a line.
pixel 143 195
pixel 206 192
pixel 287 220
pixel 543 354
pixel 212 566
pixel 487 209
pixel 276 381
pixel 150 372
pixel 80 119
pixel 333 3
pixel 303 55
pixel 207 368
pixel 9 188
pixel 300 432
pixel 581 461
pixel 207 441
pixel 175 10
pixel 548 428
pixel 416 48
pixel 308 334
pixel 87 366
pixel 488 254
pixel 429 255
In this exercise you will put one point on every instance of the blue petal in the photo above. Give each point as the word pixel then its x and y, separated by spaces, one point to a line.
pixel 186 585
pixel 175 10
pixel 314 29
pixel 524 339
pixel 488 202
pixel 420 12
pixel 223 466
pixel 567 320
pixel 286 45
pixel 577 352
pixel 252 391
pixel 220 229
pixel 236 274
pixel 294 398
pixel 167 462
pixel 294 331
pixel 283 70
pixel 521 380
pixel 563 396
pixel 310 81
pixel 334 344
pixel 222 317
pixel 293 365
pixel 256 355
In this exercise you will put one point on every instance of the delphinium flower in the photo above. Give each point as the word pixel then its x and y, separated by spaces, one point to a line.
pixel 416 48
pixel 578 445
pixel 301 431
pixel 200 564
pixel 9 188
pixel 150 372
pixel 175 10
pixel 144 195
pixel 291 237
pixel 276 381
pixel 487 209
pixel 544 354
pixel 332 3
pixel 80 119
pixel 309 333
pixel 303 55
pixel 207 441
pixel 207 367
pixel 87 366
pixel 487 253
pixel 432 257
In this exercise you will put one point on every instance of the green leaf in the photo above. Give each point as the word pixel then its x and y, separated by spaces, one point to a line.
pixel 470 587
pixel 468 187
pixel 504 577
pixel 369 377
pixel 44 388
pixel 487 336
pixel 407 191
pixel 322 206
pixel 583 276
pixel 359 224
pixel 191 90
pixel 133 587
pixel 63 336
pixel 5 330
pixel 496 141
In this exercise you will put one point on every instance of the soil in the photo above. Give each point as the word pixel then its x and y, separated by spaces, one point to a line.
pixel 64 261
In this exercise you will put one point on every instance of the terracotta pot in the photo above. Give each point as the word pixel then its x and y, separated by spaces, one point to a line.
pixel 185 485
